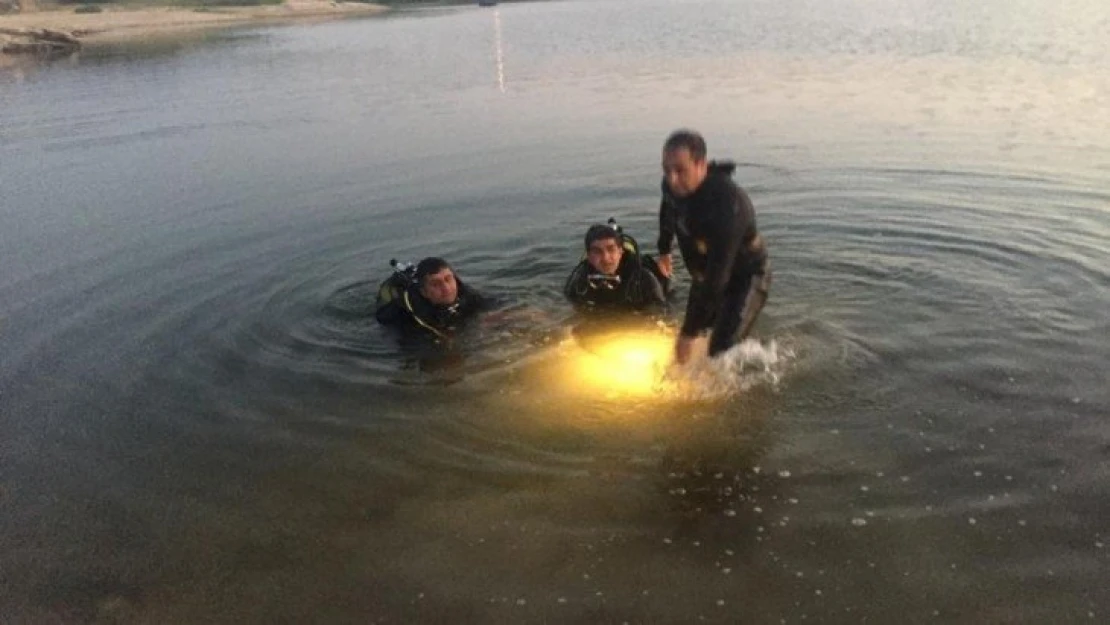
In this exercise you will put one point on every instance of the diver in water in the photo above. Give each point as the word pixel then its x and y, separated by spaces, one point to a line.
pixel 427 298
pixel 714 221
pixel 614 276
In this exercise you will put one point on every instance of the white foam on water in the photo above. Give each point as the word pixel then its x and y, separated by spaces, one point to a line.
pixel 742 367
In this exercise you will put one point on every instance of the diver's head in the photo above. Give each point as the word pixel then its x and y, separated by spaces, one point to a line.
pixel 604 249
pixel 685 165
pixel 437 281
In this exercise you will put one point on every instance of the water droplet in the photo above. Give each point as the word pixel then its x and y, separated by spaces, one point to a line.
pixel 1053 488
pixel 793 500
pixel 1098 545
pixel 585 576
pixel 799 574
pixel 726 570
pixel 1009 478
pixel 521 602
pixel 905 478
pixel 858 522
pixel 971 520
pixel 978 474
pixel 667 541
pixel 720 602
pixel 784 474
pixel 1021 522
pixel 864 488
pixel 562 599
pixel 757 510
pixel 817 592
pixel 730 512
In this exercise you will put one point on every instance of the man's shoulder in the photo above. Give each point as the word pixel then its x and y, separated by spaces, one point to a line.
pixel 472 298
pixel 720 184
pixel 394 314
pixel 723 194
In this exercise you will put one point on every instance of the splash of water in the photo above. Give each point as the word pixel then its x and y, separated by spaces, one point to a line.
pixel 742 367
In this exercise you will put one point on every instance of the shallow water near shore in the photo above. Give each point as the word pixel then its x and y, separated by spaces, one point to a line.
pixel 200 421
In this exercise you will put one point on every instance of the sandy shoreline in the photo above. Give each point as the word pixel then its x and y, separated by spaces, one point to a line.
pixel 116 24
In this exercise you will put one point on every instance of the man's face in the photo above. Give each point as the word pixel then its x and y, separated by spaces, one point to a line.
pixel 682 172
pixel 440 288
pixel 604 255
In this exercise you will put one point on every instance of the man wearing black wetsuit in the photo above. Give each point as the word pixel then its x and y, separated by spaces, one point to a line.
pixel 614 276
pixel 435 302
pixel 714 221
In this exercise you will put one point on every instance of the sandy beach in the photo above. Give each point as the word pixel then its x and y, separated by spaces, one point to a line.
pixel 115 24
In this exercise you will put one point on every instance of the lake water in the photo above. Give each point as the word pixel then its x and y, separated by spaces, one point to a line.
pixel 200 421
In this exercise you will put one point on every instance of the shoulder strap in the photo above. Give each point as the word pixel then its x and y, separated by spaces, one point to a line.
pixel 575 285
pixel 424 324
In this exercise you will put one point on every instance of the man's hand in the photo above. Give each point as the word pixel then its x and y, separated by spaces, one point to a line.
pixel 665 265
pixel 683 348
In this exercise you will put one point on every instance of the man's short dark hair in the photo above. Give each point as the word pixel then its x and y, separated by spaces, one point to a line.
pixel 689 139
pixel 428 266
pixel 598 232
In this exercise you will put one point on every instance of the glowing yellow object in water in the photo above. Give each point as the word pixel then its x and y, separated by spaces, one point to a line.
pixel 621 363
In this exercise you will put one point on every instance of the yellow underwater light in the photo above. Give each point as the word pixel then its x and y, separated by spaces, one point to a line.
pixel 621 363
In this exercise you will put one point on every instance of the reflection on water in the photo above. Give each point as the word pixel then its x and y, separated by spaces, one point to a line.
pixel 201 421
pixel 499 54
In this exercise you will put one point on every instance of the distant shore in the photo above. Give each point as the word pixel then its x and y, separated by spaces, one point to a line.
pixel 114 24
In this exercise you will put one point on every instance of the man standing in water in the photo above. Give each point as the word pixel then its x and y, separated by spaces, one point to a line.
pixel 714 221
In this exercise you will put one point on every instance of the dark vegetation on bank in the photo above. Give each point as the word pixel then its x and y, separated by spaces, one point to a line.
pixel 30 5
pixel 97 6
pixel 153 3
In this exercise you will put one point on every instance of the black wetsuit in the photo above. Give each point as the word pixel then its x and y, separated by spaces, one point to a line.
pixel 634 288
pixel 723 252
pixel 413 312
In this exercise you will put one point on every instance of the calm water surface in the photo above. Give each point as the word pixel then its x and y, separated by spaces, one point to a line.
pixel 201 423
